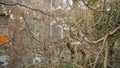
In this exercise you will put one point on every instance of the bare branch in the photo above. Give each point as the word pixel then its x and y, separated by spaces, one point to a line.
pixel 98 55
pixel 92 8
pixel 18 4
pixel 29 33
pixel 106 55
pixel 100 39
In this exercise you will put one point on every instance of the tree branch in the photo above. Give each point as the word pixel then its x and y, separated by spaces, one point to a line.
pixel 106 55
pixel 100 39
pixel 92 8
pixel 18 4
pixel 98 55
pixel 30 34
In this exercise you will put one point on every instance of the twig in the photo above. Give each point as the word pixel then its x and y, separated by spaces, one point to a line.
pixel 106 55
pixel 100 39
pixel 15 4
pixel 28 31
pixel 103 45
pixel 92 8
